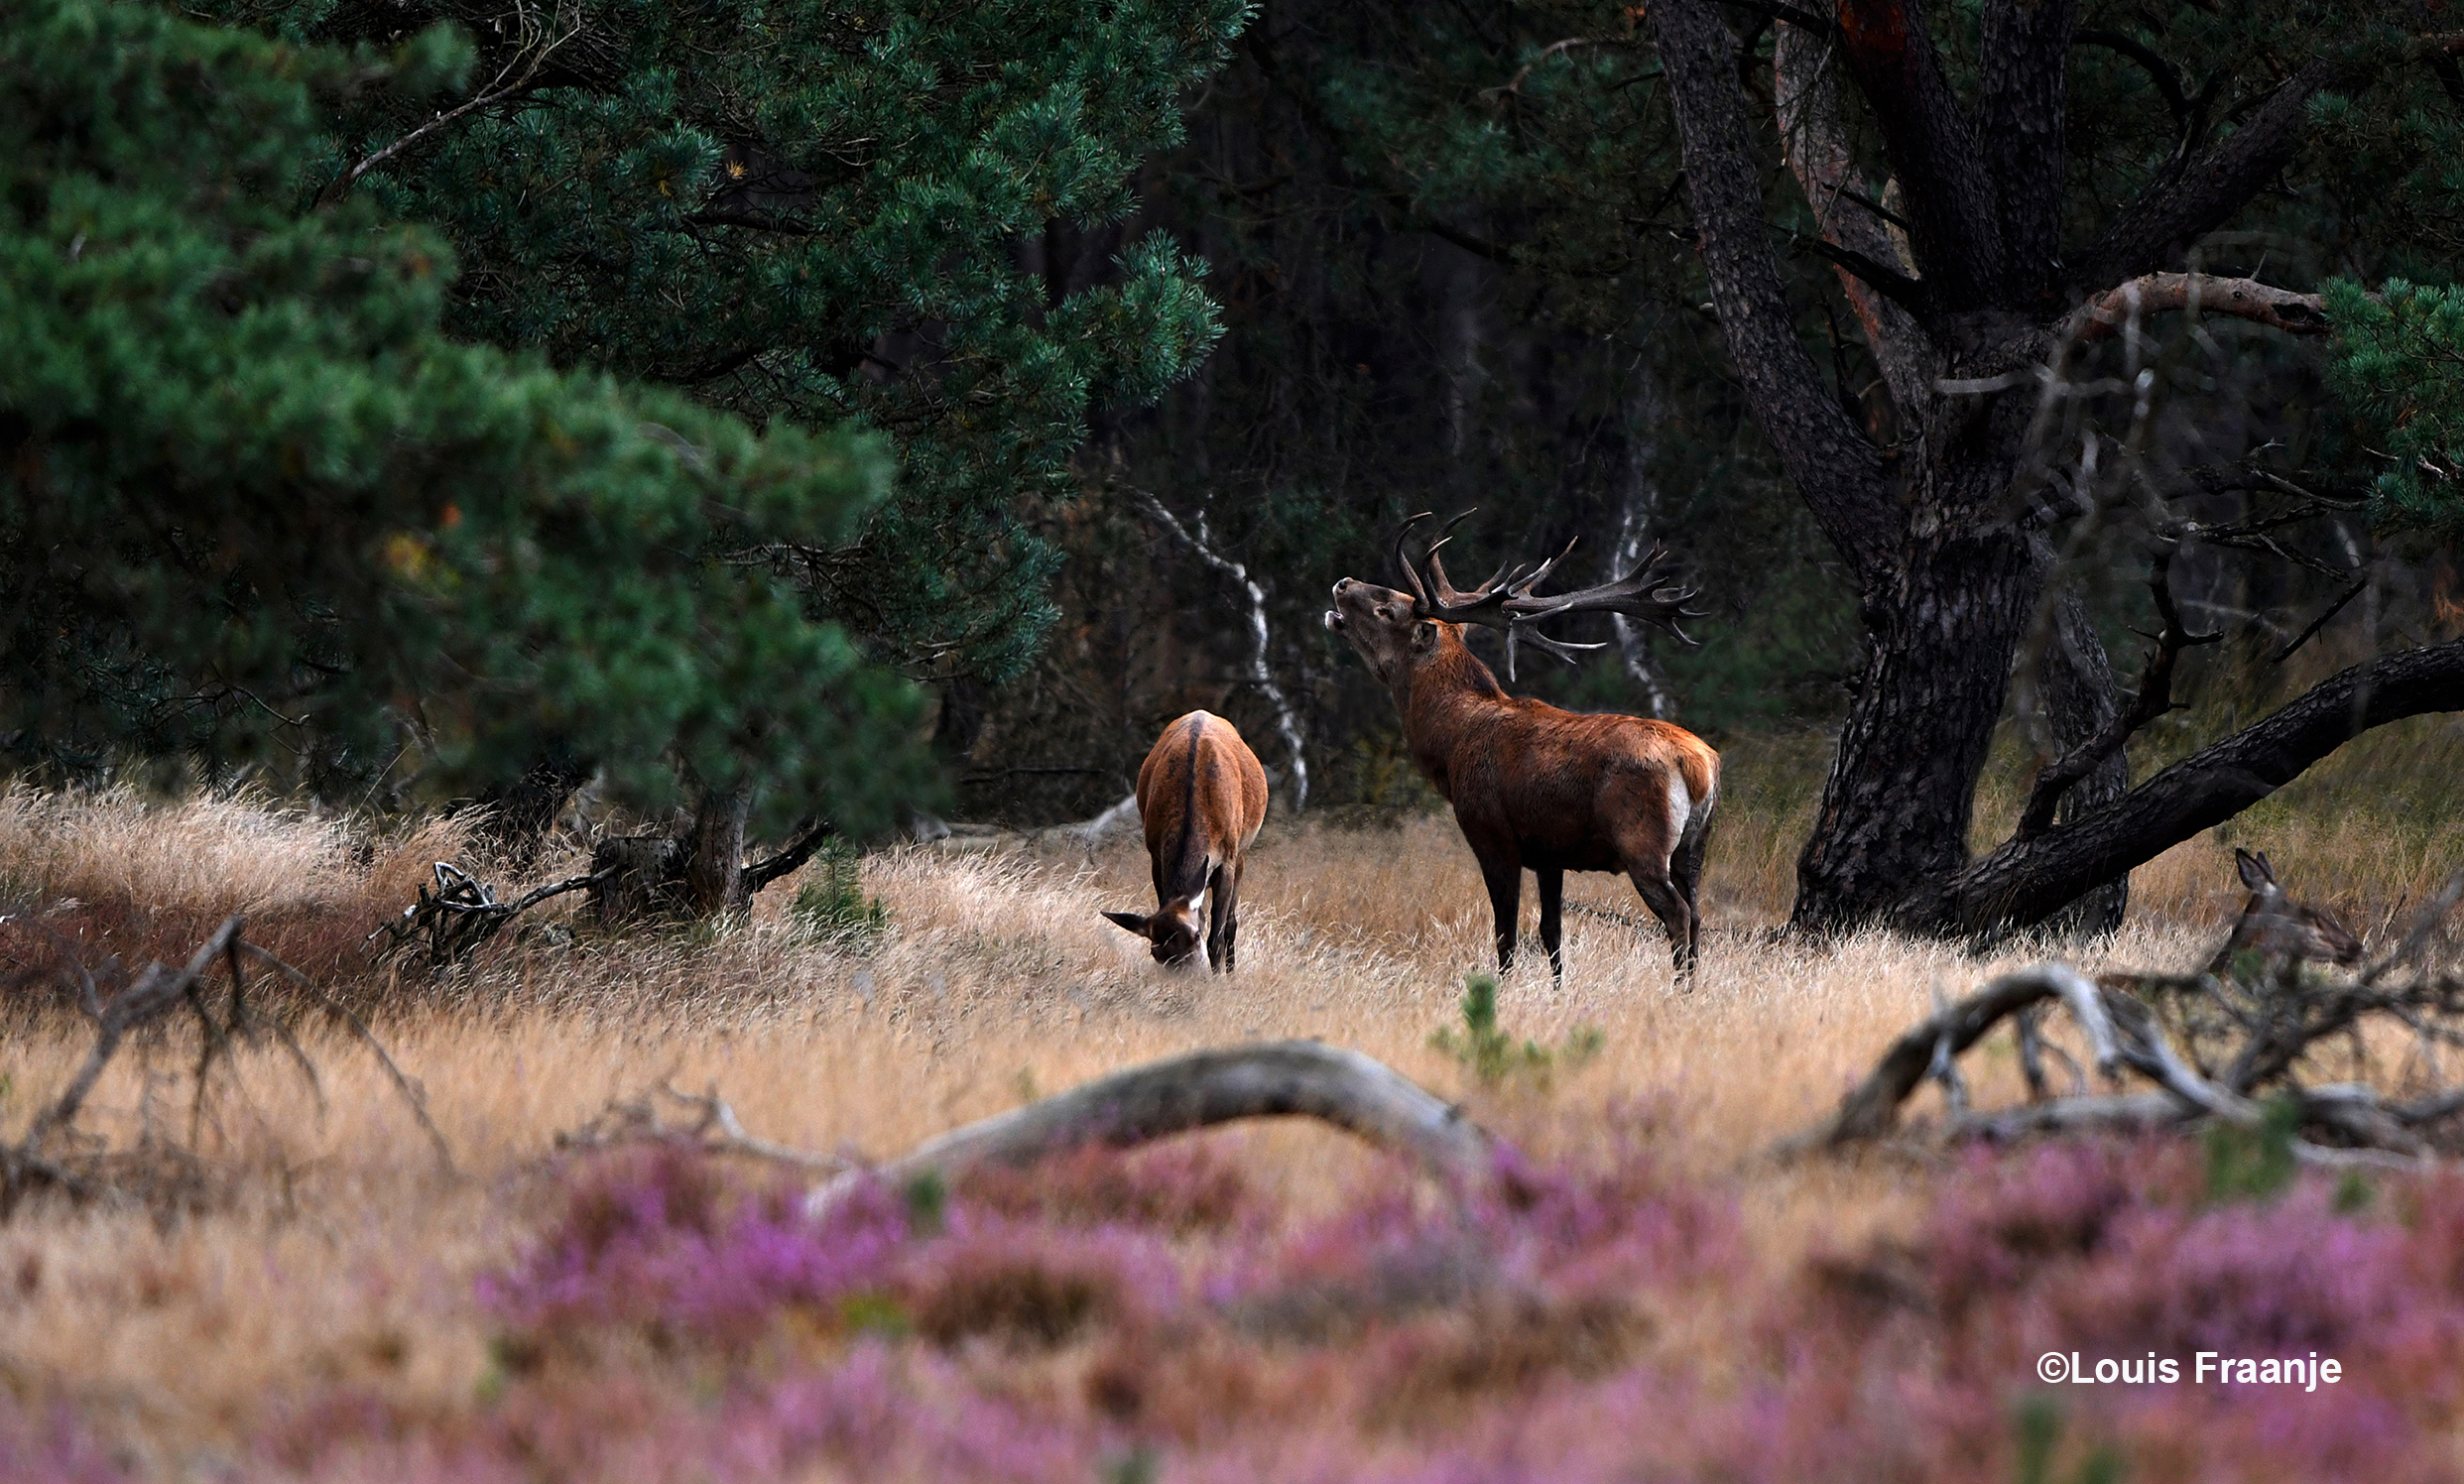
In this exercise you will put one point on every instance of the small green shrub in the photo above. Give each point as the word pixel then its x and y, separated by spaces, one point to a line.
pixel 1494 1058
pixel 831 904
pixel 2253 1164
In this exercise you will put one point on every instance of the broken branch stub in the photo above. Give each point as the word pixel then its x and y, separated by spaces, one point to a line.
pixel 1303 1078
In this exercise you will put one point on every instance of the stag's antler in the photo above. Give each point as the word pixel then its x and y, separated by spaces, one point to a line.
pixel 1506 601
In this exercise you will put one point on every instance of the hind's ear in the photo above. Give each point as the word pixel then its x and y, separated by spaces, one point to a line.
pixel 1134 922
pixel 2257 874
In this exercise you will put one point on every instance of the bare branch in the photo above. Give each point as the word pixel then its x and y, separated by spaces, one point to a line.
pixel 1260 674
pixel 1308 1078
pixel 2103 315
pixel 798 851
pixel 508 83
pixel 1870 1109
pixel 2155 698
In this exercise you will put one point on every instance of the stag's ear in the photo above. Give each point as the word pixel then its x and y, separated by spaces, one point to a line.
pixel 1134 922
pixel 2257 874
pixel 1425 636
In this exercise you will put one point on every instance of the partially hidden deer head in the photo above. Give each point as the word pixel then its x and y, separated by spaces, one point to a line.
pixel 2279 929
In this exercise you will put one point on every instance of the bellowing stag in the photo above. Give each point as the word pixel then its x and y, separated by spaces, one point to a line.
pixel 1201 795
pixel 1536 787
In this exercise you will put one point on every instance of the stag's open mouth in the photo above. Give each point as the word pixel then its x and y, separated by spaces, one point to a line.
pixel 1335 620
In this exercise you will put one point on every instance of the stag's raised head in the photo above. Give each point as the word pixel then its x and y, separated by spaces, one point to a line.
pixel 1393 630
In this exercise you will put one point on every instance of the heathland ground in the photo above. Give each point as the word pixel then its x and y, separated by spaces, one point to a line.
pixel 317 1261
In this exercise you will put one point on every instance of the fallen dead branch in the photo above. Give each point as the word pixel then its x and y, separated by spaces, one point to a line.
pixel 53 1152
pixel 1304 1078
pixel 2260 1025
pixel 461 912
pixel 713 1129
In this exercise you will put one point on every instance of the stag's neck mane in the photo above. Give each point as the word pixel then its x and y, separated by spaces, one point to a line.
pixel 1444 698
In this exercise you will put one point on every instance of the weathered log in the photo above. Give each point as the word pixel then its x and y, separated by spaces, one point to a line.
pixel 1304 1078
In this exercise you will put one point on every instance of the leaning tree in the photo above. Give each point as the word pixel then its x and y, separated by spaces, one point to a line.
pixel 1988 226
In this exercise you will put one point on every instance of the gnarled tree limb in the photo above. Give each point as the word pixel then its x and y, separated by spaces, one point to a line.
pixel 2187 202
pixel 1308 1078
pixel 1873 1106
pixel 2165 293
pixel 2155 698
pixel 2022 882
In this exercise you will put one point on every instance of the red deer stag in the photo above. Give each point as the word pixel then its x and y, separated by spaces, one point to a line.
pixel 1535 788
pixel 1201 795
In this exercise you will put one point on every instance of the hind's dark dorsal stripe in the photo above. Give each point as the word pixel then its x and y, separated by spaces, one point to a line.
pixel 1190 876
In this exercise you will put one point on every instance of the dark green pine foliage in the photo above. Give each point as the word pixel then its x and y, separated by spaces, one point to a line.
pixel 816 212
pixel 254 502
pixel 2403 371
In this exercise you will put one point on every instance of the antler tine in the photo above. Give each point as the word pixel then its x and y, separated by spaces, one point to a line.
pixel 1522 586
pixel 1420 590
pixel 1506 601
pixel 1570 651
pixel 1640 594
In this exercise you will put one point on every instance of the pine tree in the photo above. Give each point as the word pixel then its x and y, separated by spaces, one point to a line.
pixel 254 502
pixel 820 211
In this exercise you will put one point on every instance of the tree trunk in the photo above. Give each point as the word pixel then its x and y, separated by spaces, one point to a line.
pixel 1896 807
pixel 715 866
pixel 699 874
pixel 2079 703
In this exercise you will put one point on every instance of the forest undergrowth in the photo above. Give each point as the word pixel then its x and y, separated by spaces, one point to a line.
pixel 1652 1294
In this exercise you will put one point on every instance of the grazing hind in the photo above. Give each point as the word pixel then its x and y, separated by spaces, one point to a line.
pixel 1201 796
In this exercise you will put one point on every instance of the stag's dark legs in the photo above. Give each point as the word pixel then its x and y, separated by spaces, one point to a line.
pixel 1504 874
pixel 1552 902
pixel 1667 904
pixel 1223 915
pixel 1685 874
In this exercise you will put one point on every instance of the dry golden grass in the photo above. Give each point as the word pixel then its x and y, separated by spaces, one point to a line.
pixel 336 1251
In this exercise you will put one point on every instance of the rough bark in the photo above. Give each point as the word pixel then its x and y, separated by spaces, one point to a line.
pixel 2022 883
pixel 1306 1078
pixel 2023 115
pixel 2079 705
pixel 1839 473
pixel 1896 807
pixel 714 863
pixel 1953 213
pixel 1811 132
